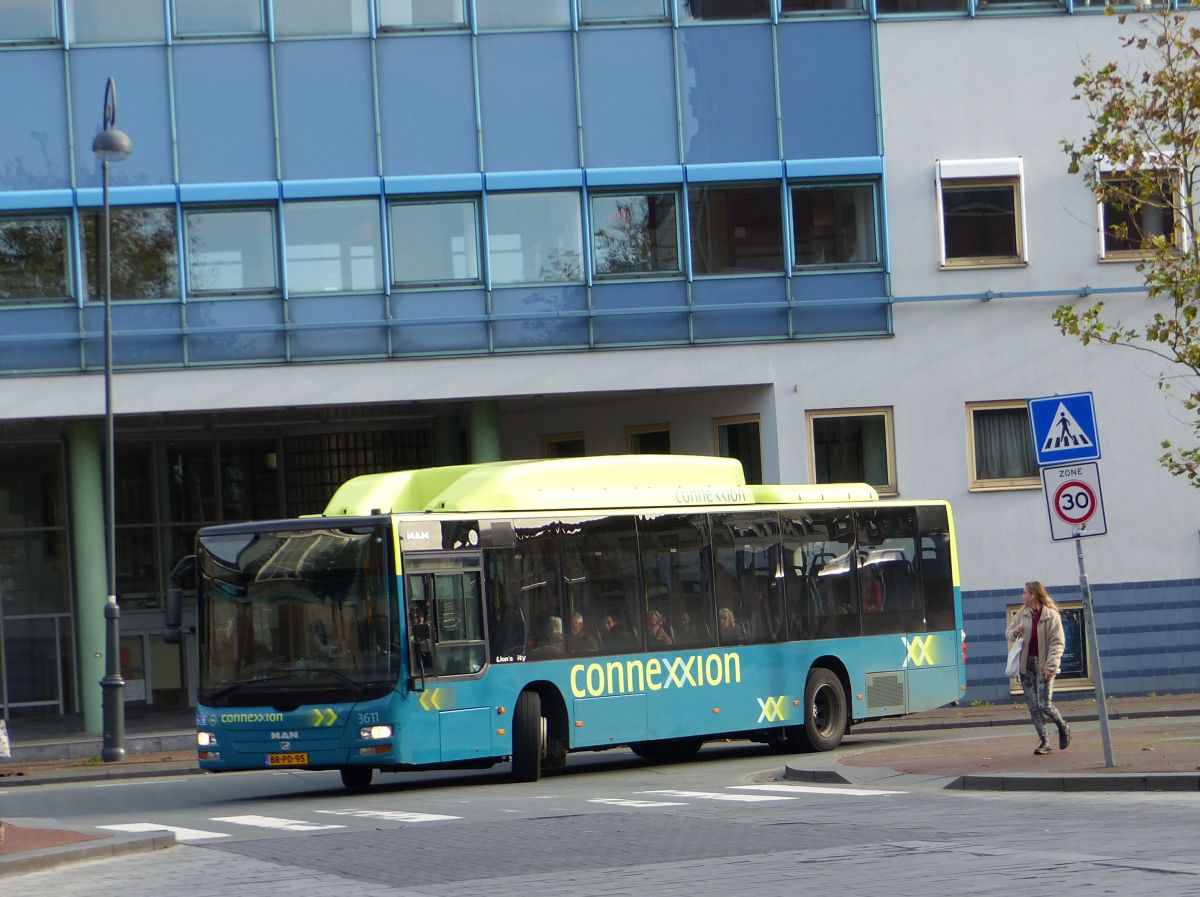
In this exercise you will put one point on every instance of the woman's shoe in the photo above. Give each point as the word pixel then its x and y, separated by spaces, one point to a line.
pixel 1043 748
pixel 1064 737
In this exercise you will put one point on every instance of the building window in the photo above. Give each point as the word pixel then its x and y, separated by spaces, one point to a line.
pixel 145 253
pixel 491 15
pixel 735 230
pixel 231 251
pixel 738 437
pixel 294 18
pixel 1000 446
pixel 652 439
pixel 835 225
pixel 982 218
pixel 535 238
pixel 34 259
pixel 920 7
pixel 808 7
pixel 635 233
pixel 700 10
pixel 1133 215
pixel 28 21
pixel 114 21
pixel 596 11
pixel 333 247
pixel 853 445
pixel 435 242
pixel 1018 5
pixel 200 18
pixel 563 445
pixel 413 14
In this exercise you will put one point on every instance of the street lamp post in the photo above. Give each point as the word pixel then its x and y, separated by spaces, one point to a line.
pixel 111 144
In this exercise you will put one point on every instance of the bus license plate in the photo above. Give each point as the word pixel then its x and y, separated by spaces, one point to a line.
pixel 287 759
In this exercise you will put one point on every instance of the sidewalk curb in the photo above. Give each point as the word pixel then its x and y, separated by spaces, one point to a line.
pixel 899 725
pixel 115 846
pixel 1165 781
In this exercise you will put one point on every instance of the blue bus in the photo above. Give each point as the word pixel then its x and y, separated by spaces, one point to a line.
pixel 464 616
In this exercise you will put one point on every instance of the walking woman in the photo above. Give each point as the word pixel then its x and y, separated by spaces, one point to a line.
pixel 1039 623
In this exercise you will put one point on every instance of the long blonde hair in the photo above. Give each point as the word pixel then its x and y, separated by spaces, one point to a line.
pixel 1038 591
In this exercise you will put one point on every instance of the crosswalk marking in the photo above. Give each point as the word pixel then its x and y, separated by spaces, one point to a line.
pixel 181 834
pixel 814 789
pixel 714 795
pixel 274 822
pixel 630 802
pixel 390 815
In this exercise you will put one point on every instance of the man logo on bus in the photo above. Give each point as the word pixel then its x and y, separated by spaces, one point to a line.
pixel 919 650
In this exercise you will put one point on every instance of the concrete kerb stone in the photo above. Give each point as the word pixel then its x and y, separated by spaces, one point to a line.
pixel 114 846
pixel 1115 782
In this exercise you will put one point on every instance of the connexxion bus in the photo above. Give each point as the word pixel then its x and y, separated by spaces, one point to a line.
pixel 462 616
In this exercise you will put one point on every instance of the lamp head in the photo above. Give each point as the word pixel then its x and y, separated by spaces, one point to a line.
pixel 112 145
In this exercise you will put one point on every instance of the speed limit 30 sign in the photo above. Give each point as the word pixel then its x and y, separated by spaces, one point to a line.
pixel 1074 501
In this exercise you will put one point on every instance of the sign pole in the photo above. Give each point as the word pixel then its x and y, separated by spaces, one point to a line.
pixel 1089 617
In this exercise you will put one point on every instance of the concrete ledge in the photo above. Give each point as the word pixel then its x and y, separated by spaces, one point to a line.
pixel 1117 782
pixel 815 776
pixel 52 857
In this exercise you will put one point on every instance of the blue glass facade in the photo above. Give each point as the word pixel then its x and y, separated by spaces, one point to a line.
pixel 428 114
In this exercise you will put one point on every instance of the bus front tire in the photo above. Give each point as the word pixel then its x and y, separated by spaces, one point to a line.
pixel 529 738
pixel 357 778
pixel 825 713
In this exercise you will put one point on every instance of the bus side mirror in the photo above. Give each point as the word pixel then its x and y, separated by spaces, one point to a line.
pixel 174 615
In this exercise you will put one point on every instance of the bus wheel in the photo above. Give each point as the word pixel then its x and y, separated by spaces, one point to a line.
pixel 357 778
pixel 825 713
pixel 529 738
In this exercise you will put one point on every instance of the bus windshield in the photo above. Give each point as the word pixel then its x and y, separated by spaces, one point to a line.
pixel 292 612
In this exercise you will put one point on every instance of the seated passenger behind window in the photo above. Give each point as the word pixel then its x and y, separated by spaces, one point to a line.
pixel 615 636
pixel 550 638
pixel 656 633
pixel 582 642
pixel 728 628
pixel 870 590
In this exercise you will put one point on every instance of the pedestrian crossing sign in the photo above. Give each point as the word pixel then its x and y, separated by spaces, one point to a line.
pixel 1064 429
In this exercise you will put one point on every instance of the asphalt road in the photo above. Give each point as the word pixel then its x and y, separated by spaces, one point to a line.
pixel 726 824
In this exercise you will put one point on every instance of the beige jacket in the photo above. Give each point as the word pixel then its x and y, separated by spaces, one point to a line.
pixel 1050 637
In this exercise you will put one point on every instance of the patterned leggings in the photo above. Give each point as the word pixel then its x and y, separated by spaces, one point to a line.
pixel 1038 693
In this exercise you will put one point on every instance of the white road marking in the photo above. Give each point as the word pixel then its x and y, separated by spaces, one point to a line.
pixel 628 802
pixel 714 795
pixel 181 834
pixel 274 822
pixel 390 815
pixel 814 789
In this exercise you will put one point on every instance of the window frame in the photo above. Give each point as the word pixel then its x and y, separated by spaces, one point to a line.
pixel 631 433
pixel 551 439
pixel 93 292
pixel 589 20
pixel 697 193
pixel 323 32
pixel 492 254
pixel 871 184
pixel 738 420
pixel 961 175
pixel 450 199
pixel 379 286
pixel 56 25
pixel 1170 180
pixel 886 412
pixel 976 483
pixel 192 292
pixel 614 193
pixel 68 230
pixel 788 14
pixel 206 35
pixel 383 28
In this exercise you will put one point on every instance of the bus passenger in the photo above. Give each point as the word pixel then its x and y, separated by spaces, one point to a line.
pixel 581 642
pixel 728 627
pixel 615 634
pixel 656 633
pixel 550 637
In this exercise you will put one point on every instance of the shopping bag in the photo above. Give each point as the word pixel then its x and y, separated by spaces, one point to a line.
pixel 1013 667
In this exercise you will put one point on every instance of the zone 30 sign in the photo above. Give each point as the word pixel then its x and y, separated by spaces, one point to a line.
pixel 1073 499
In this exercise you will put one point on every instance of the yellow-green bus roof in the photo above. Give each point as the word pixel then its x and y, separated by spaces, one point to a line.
pixel 604 481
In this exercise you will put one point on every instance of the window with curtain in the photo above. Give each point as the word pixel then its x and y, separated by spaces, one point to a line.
pixel 1001 446
pixel 852 445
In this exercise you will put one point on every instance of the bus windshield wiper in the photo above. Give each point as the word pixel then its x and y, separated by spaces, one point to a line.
pixel 321 668
pixel 242 683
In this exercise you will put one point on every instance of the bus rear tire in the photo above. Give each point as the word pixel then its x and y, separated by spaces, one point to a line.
pixel 357 778
pixel 825 713
pixel 529 738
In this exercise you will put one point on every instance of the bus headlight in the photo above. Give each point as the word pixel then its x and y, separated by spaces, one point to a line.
pixel 375 732
pixel 206 739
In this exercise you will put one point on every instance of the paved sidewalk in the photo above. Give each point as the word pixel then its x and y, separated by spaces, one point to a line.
pixel 1156 746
